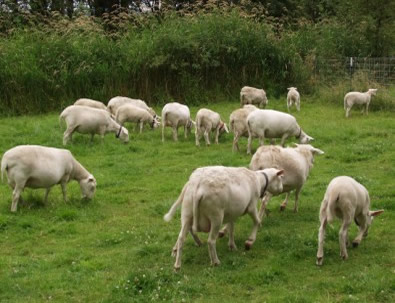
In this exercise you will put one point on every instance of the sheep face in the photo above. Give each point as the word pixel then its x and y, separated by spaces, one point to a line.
pixel 88 187
pixel 304 138
pixel 124 135
pixel 223 128
pixel 372 91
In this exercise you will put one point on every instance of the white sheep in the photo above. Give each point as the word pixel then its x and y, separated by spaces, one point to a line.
pixel 238 123
pixel 252 95
pixel 36 166
pixel 266 123
pixel 293 97
pixel 91 103
pixel 207 121
pixel 215 195
pixel 87 120
pixel 175 115
pixel 296 163
pixel 348 200
pixel 131 113
pixel 352 98
pixel 118 101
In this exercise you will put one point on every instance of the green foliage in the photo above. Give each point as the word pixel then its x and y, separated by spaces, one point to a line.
pixel 116 247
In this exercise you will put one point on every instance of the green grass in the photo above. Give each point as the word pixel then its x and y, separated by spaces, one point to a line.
pixel 116 248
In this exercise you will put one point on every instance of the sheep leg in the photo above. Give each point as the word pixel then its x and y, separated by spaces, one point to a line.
pixel 92 135
pixel 298 106
pixel 261 140
pixel 207 137
pixel 46 195
pixel 251 239
pixel 283 138
pixel 348 112
pixel 265 201
pixel 175 133
pixel 197 137
pixel 63 185
pixel 223 231
pixel 362 230
pixel 67 135
pixel 163 132
pixel 185 131
pixel 141 126
pixel 297 192
pixel 367 108
pixel 285 202
pixel 196 238
pixel 249 142
pixel 343 237
pixel 321 237
pixel 236 142
pixel 212 238
pixel 231 242
pixel 180 243
pixel 15 196
pixel 216 135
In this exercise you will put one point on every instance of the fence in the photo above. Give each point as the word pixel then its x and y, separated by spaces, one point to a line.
pixel 378 70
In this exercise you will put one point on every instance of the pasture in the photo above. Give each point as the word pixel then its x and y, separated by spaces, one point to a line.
pixel 116 248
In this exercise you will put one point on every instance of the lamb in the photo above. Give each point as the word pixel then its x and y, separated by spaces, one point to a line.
pixel 36 166
pixel 296 163
pixel 352 98
pixel 175 115
pixel 348 200
pixel 91 103
pixel 118 101
pixel 207 121
pixel 238 123
pixel 266 123
pixel 87 120
pixel 251 95
pixel 215 195
pixel 293 97
pixel 131 113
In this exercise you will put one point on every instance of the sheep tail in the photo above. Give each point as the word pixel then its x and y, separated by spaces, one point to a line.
pixel 176 204
pixel 196 200
pixel 328 207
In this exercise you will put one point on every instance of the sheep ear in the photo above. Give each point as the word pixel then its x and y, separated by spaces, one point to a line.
pixel 289 88
pixel 280 172
pixel 91 179
pixel 226 128
pixel 374 213
pixel 318 151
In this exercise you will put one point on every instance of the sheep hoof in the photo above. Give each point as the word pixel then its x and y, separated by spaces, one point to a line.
pixel 233 247
pixel 177 268
pixel 248 245
pixel 319 261
pixel 221 234
pixel 282 207
pixel 355 244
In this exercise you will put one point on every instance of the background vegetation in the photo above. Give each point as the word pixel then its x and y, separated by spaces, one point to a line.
pixel 53 52
pixel 116 248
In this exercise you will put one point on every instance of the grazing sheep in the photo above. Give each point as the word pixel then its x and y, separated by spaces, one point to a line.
pixel 131 113
pixel 87 120
pixel 36 166
pixel 215 195
pixel 266 123
pixel 348 200
pixel 118 101
pixel 296 163
pixel 91 103
pixel 238 123
pixel 207 121
pixel 251 95
pixel 175 115
pixel 293 97
pixel 352 98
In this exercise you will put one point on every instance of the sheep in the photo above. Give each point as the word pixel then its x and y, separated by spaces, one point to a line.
pixel 238 123
pixel 293 97
pixel 175 115
pixel 352 98
pixel 91 103
pixel 266 123
pixel 118 101
pixel 215 195
pixel 207 121
pixel 251 95
pixel 87 120
pixel 36 166
pixel 296 163
pixel 131 113
pixel 348 200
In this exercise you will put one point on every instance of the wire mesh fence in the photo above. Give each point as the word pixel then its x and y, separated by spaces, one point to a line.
pixel 374 70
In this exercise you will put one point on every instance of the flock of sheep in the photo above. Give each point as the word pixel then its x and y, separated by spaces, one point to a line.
pixel 213 195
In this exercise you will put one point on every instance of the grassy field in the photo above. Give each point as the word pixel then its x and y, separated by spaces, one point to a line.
pixel 116 248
